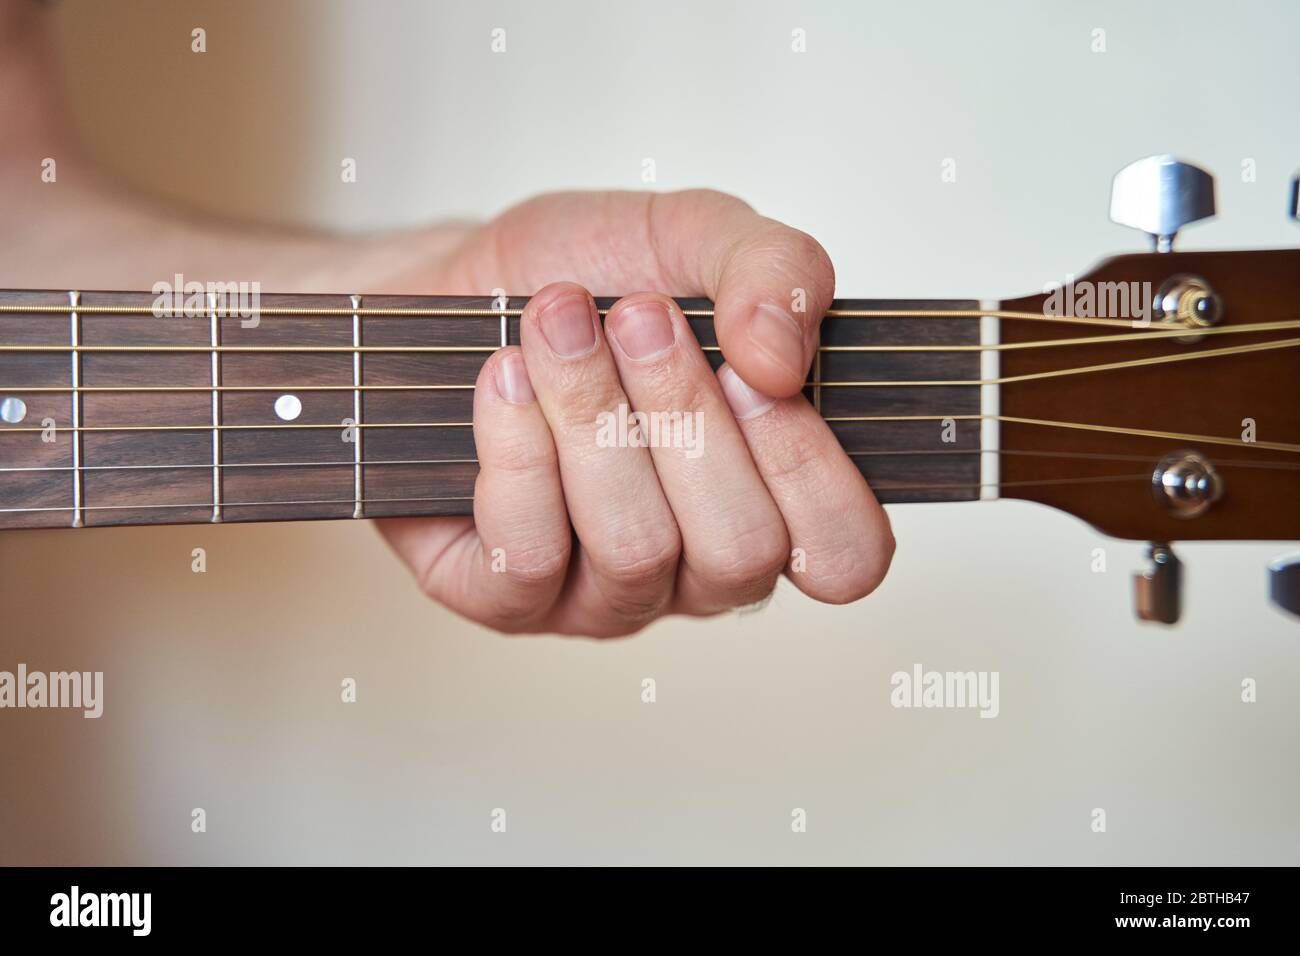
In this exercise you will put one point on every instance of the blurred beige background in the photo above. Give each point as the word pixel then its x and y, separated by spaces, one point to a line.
pixel 223 687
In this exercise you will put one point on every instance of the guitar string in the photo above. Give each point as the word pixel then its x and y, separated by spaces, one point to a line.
pixel 1179 333
pixel 835 419
pixel 1139 333
pixel 475 313
pixel 206 505
pixel 884 383
pixel 890 453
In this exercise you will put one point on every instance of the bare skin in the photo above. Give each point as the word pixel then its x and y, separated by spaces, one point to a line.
pixel 597 541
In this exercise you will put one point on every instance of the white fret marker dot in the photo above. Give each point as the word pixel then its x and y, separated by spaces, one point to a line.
pixel 287 408
pixel 13 410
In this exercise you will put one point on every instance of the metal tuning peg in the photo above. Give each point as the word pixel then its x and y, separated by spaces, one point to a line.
pixel 1294 211
pixel 1159 195
pixel 1284 583
pixel 1158 590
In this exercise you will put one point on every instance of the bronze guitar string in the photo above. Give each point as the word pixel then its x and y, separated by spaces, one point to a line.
pixel 203 505
pixel 453 312
pixel 881 383
pixel 208 466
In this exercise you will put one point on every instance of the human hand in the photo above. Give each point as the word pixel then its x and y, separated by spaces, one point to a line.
pixel 601 541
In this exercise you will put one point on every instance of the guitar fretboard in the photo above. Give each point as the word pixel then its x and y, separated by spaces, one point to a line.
pixel 334 406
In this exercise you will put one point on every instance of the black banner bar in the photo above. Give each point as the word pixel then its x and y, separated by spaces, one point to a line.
pixel 238 904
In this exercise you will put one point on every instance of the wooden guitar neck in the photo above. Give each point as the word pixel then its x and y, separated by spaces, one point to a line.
pixel 117 408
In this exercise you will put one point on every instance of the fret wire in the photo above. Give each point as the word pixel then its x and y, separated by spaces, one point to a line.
pixel 216 408
pixel 356 406
pixel 74 299
pixel 817 370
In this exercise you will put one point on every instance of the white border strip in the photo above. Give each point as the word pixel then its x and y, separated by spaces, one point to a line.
pixel 990 405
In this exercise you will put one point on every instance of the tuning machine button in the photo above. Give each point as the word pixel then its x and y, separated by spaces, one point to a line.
pixel 1189 301
pixel 1186 483
pixel 1284 583
pixel 1159 195
pixel 1157 590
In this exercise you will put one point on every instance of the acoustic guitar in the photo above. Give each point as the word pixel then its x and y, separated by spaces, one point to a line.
pixel 1157 397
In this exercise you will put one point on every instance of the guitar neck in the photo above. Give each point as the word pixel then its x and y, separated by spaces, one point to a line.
pixel 334 406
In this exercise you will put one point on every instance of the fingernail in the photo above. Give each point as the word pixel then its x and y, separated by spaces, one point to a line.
pixel 744 401
pixel 568 326
pixel 643 329
pixel 512 380
pixel 775 332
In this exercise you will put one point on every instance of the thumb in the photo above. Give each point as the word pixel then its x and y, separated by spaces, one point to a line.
pixel 770 283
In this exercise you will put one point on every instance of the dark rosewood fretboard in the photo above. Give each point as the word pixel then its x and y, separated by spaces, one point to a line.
pixel 163 426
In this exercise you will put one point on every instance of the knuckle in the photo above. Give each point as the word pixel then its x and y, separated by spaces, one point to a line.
pixel 713 199
pixel 539 564
pixel 746 563
pixel 581 398
pixel 814 254
pixel 532 576
pixel 796 458
pixel 777 252
pixel 804 256
pixel 696 392
pixel 519 453
pixel 641 557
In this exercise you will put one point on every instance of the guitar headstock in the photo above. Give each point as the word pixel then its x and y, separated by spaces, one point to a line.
pixel 1173 411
